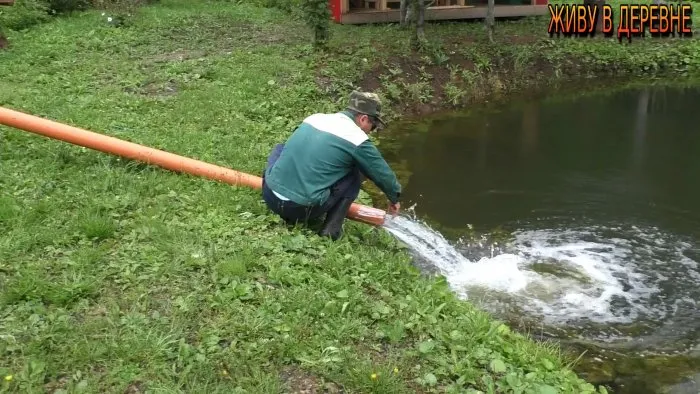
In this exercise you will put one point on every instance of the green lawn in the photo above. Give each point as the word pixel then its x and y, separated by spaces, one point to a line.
pixel 117 276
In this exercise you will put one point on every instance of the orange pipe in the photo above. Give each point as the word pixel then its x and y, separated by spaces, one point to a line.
pixel 170 161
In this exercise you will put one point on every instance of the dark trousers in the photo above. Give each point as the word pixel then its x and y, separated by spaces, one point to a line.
pixel 346 187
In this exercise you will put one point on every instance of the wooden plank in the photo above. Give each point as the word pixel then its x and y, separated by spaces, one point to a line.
pixel 7 2
pixel 444 13
pixel 447 7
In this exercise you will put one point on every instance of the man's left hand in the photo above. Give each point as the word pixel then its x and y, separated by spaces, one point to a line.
pixel 394 208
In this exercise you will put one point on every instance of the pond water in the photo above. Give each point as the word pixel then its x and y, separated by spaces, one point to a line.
pixel 595 205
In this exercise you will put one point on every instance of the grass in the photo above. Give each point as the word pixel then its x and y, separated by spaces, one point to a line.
pixel 119 277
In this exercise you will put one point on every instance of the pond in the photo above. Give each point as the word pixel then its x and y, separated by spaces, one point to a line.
pixel 590 207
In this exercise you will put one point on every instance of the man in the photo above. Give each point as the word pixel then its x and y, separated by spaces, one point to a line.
pixel 320 168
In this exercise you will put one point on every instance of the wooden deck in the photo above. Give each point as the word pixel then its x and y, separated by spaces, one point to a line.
pixel 443 13
pixel 387 11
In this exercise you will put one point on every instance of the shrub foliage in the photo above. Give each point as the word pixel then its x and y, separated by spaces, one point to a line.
pixel 26 13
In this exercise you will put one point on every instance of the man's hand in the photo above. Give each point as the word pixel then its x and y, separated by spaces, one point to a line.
pixel 394 208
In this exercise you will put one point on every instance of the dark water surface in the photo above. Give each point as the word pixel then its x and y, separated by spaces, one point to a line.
pixel 602 196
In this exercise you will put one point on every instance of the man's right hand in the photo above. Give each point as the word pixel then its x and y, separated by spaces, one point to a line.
pixel 394 208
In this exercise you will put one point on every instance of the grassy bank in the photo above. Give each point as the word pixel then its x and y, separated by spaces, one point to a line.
pixel 118 277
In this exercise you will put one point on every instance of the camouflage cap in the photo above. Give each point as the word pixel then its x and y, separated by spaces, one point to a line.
pixel 366 103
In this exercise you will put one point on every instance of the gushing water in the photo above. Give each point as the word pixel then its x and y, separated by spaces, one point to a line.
pixel 589 275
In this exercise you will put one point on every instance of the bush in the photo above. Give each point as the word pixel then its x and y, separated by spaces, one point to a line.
pixel 26 13
pixel 318 17
pixel 289 6
pixel 119 12
pixel 23 14
pixel 66 6
pixel 121 5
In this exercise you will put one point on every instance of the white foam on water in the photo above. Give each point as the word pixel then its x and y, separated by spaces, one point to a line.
pixel 568 275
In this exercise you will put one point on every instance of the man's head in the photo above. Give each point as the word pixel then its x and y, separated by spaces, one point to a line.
pixel 367 110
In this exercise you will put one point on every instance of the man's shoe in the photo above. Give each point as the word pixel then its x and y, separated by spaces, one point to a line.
pixel 333 226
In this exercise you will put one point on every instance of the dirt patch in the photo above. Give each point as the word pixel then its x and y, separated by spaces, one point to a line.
pixel 57 385
pixel 135 388
pixel 423 83
pixel 177 56
pixel 298 381
pixel 464 63
pixel 418 85
pixel 155 89
pixel 3 42
pixel 226 35
pixel 202 37
pixel 370 81
pixel 522 39
pixel 441 76
pixel 324 82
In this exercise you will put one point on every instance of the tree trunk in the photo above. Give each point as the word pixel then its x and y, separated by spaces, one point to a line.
pixel 320 37
pixel 420 21
pixel 403 17
pixel 490 19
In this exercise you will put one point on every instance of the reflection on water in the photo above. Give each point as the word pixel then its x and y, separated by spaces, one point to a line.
pixel 602 195
pixel 530 129
pixel 629 157
pixel 640 127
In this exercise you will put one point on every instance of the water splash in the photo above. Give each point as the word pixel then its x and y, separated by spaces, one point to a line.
pixel 592 274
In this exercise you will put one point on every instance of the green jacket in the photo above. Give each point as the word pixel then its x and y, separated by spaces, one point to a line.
pixel 323 149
